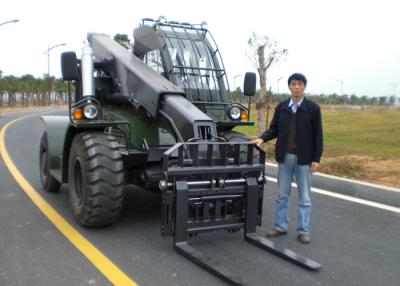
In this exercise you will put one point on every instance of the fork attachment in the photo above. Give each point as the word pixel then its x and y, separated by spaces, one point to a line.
pixel 209 186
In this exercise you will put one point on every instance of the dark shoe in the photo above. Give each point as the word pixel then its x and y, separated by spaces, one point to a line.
pixel 274 233
pixel 304 238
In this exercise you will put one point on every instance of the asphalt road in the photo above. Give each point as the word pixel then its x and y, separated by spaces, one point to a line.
pixel 355 243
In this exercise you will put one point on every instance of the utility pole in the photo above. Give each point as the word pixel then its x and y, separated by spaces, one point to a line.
pixel 396 100
pixel 341 86
pixel 7 22
pixel 234 82
pixel 49 85
pixel 279 79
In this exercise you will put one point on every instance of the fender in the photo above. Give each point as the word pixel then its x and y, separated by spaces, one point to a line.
pixel 60 133
pixel 56 128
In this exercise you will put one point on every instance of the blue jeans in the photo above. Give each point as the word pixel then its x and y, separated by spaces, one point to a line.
pixel 286 170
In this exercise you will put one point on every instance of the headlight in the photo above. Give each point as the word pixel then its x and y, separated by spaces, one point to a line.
pixel 90 111
pixel 235 113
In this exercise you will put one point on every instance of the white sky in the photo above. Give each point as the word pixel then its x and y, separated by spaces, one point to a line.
pixel 357 42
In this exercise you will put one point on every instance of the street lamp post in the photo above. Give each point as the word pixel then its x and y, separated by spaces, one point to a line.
pixel 234 82
pixel 394 88
pixel 10 21
pixel 394 93
pixel 279 79
pixel 47 52
pixel 341 86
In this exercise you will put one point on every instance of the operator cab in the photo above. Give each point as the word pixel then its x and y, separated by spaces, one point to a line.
pixel 187 55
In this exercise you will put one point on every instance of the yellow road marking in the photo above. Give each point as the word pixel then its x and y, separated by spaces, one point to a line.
pixel 99 260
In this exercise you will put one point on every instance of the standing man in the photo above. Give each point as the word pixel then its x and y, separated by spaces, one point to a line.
pixel 297 125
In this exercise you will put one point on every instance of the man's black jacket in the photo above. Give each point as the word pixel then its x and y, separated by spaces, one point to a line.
pixel 308 131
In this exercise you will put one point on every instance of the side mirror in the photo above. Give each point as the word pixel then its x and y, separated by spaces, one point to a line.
pixel 249 86
pixel 69 66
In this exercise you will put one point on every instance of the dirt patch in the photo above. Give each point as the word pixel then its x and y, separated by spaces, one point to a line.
pixel 382 171
pixel 344 166
pixel 364 168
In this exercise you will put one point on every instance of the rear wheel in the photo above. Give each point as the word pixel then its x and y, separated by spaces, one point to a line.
pixel 96 179
pixel 49 183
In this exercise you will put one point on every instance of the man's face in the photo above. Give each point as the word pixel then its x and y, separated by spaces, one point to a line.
pixel 297 88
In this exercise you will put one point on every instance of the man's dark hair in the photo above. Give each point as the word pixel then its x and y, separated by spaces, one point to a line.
pixel 297 76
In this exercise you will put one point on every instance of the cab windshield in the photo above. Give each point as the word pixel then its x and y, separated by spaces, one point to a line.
pixel 196 64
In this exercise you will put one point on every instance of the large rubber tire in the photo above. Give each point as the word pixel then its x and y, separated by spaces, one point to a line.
pixel 96 179
pixel 233 136
pixel 49 183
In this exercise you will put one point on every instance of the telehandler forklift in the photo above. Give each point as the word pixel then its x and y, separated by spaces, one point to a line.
pixel 159 116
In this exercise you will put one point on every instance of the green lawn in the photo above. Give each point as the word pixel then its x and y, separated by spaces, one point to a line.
pixel 369 132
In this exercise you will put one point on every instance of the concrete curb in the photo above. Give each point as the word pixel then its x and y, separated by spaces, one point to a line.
pixel 371 192
pixel 34 109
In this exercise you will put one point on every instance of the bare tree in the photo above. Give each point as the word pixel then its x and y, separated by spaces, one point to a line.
pixel 264 52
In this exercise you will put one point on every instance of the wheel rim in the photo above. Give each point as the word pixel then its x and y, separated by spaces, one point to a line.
pixel 78 181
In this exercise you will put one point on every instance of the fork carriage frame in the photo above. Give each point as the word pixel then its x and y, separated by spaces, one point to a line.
pixel 211 186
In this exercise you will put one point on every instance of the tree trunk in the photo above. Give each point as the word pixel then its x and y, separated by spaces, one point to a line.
pixel 262 102
pixel 10 99
pixel 43 98
pixel 260 108
pixel 268 107
pixel 62 97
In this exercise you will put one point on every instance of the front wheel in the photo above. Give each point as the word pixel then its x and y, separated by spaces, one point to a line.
pixel 49 183
pixel 233 136
pixel 96 179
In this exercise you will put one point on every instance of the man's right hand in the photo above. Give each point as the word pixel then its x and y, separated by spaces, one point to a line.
pixel 257 141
